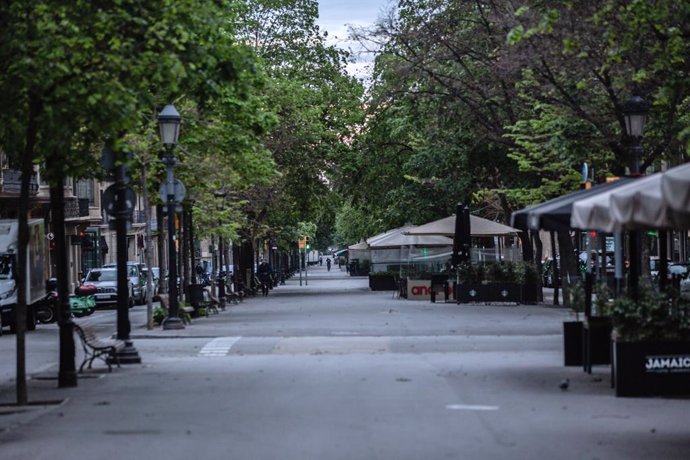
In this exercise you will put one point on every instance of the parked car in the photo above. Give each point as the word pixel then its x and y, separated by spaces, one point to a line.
pixel 155 280
pixel 105 281
pixel 680 270
pixel 138 282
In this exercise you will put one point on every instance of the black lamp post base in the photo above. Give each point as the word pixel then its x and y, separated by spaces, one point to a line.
pixel 172 322
pixel 127 355
pixel 67 379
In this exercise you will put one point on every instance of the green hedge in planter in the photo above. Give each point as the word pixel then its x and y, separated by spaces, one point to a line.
pixel 499 272
pixel 654 316
pixel 498 282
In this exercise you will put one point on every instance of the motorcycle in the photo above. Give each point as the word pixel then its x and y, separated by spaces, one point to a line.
pixel 46 308
pixel 83 303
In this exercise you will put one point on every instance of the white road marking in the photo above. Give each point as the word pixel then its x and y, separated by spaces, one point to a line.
pixel 218 347
pixel 470 407
pixel 332 345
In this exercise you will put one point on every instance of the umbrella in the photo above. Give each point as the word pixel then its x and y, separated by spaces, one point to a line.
pixel 479 227
pixel 555 214
pixel 639 205
pixel 595 212
pixel 675 190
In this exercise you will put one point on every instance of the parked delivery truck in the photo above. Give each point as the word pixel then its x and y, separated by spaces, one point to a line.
pixel 35 283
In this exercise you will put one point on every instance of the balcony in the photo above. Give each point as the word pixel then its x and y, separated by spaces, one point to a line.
pixel 11 182
pixel 76 207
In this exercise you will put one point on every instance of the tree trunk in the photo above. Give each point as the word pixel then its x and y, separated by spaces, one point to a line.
pixel 554 268
pixel 22 241
pixel 569 270
pixel 184 262
pixel 148 257
pixel 67 373
pixel 539 250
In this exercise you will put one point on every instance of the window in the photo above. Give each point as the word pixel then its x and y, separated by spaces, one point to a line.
pixel 84 188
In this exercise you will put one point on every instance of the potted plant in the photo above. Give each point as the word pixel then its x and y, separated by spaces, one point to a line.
pixel 651 344
pixel 573 330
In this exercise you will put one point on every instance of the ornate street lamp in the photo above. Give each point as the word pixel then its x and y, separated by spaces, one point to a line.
pixel 169 123
pixel 635 113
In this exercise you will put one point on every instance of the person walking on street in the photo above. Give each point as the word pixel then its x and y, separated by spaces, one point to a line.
pixel 328 264
pixel 264 272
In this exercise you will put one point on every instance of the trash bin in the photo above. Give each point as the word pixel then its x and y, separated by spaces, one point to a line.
pixel 195 293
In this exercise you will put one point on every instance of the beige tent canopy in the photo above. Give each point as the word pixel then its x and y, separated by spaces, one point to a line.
pixel 396 241
pixel 387 234
pixel 479 227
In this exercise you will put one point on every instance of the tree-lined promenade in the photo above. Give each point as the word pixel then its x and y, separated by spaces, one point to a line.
pixel 492 104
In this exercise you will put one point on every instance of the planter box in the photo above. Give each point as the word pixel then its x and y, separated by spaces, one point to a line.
pixel 597 341
pixel 653 368
pixel 382 283
pixel 572 343
pixel 530 293
pixel 496 292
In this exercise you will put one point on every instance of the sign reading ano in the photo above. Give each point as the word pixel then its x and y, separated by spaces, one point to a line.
pixel 419 289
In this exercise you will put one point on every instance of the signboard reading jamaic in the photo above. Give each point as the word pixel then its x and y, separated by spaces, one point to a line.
pixel 667 364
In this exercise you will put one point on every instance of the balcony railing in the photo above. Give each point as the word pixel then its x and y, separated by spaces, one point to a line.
pixel 12 182
pixel 76 207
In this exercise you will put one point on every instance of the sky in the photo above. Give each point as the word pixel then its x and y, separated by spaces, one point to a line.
pixel 336 15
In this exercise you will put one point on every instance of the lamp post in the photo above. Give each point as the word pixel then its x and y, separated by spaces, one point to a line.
pixel 221 194
pixel 123 214
pixel 635 114
pixel 169 122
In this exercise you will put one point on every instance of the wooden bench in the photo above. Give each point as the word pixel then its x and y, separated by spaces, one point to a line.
pixel 94 347
pixel 183 312
pixel 232 295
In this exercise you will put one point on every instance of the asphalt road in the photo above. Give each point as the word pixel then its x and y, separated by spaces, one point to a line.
pixel 334 371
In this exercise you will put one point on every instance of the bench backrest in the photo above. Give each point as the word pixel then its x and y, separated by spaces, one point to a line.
pixel 86 332
pixel 208 295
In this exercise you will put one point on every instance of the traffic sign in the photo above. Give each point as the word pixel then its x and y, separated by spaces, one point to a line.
pixel 110 200
pixel 177 189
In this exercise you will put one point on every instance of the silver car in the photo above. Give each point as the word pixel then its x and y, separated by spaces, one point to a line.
pixel 105 280
pixel 136 280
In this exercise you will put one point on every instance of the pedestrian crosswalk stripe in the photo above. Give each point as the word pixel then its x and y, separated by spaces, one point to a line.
pixel 470 407
pixel 219 346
